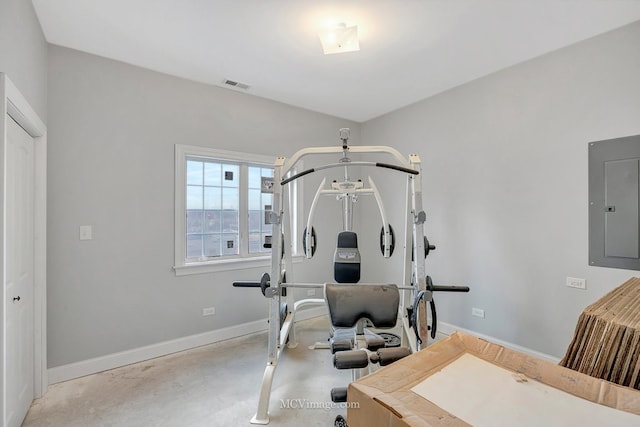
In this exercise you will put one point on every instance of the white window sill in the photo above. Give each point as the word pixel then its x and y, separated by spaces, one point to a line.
pixel 226 265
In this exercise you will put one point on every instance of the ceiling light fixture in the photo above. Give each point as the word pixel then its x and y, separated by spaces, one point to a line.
pixel 339 39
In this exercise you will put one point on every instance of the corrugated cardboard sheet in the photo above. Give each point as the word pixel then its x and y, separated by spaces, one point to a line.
pixel 606 343
pixel 384 398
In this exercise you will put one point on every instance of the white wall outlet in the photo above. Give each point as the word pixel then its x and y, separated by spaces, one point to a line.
pixel 574 282
pixel 311 292
pixel 209 311
pixel 478 312
pixel 86 232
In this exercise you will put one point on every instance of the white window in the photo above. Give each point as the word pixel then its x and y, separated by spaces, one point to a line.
pixel 220 209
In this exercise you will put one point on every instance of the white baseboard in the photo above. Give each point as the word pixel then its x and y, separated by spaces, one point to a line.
pixel 123 358
pixel 448 329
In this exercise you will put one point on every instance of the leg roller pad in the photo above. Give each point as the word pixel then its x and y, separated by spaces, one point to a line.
pixel 354 359
pixel 339 394
pixel 374 342
pixel 386 356
pixel 337 346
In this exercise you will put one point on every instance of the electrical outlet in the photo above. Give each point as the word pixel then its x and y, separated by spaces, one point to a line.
pixel 86 232
pixel 311 292
pixel 478 312
pixel 209 311
pixel 574 282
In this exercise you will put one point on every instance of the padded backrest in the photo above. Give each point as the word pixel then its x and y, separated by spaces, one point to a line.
pixel 346 259
pixel 349 303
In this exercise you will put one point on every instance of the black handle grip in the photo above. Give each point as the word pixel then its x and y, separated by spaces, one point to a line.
pixel 296 176
pixel 246 284
pixel 398 168
pixel 446 288
pixel 263 284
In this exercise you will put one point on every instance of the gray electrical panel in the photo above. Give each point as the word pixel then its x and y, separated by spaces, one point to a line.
pixel 614 203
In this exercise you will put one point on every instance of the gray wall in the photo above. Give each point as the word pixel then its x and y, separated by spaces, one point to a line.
pixel 112 130
pixel 505 176
pixel 23 52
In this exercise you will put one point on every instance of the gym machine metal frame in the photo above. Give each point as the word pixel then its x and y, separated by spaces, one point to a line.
pixel 414 282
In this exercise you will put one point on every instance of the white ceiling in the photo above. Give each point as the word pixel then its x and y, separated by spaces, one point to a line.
pixel 410 49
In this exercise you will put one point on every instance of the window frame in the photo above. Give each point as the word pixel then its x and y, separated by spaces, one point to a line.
pixel 230 262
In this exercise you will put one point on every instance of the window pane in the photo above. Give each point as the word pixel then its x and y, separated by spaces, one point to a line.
pixel 256 218
pixel 194 246
pixel 230 244
pixel 212 222
pixel 212 198
pixel 254 177
pixel 194 172
pixel 230 221
pixel 267 199
pixel 254 199
pixel 212 245
pixel 255 244
pixel 267 229
pixel 212 174
pixel 194 197
pixel 230 198
pixel 230 175
pixel 194 221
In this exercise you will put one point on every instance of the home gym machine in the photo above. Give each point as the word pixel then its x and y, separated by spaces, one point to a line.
pixel 409 297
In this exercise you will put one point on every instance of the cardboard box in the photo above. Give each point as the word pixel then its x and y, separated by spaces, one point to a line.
pixel 384 398
pixel 606 342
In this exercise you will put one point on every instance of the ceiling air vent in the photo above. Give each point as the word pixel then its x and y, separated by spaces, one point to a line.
pixel 235 84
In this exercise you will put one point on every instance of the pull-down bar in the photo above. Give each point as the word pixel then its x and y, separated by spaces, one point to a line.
pixel 343 164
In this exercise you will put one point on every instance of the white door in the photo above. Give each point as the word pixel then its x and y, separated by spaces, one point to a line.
pixel 19 273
